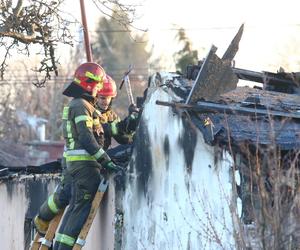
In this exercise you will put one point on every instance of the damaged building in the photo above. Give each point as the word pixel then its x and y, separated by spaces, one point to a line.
pixel 213 166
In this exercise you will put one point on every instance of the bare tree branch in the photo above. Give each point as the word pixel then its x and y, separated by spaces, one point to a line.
pixel 125 14
pixel 38 22
pixel 43 23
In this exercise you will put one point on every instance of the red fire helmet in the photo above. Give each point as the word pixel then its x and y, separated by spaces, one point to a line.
pixel 90 75
pixel 109 87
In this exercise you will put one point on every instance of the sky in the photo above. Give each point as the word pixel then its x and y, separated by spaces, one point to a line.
pixel 269 27
pixel 270 40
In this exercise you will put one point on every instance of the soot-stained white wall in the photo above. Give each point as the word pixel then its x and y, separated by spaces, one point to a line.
pixel 177 195
pixel 20 198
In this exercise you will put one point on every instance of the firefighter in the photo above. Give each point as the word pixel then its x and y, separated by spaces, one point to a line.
pixel 85 151
pixel 121 131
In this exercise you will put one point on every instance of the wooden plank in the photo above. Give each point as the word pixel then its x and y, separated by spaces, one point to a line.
pixel 51 230
pixel 264 77
pixel 35 244
pixel 88 223
pixel 215 77
pixel 234 45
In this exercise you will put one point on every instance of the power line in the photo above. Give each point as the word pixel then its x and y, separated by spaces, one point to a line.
pixel 122 68
pixel 297 25
pixel 27 81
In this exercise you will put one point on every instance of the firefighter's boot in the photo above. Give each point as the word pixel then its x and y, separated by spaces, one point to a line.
pixel 41 225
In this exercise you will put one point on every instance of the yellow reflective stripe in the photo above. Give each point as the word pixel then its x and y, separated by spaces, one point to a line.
pixel 69 131
pixel 76 80
pixel 52 205
pixel 70 136
pixel 114 128
pixel 72 144
pixel 99 153
pixel 65 239
pixel 65 113
pixel 98 112
pixel 99 85
pixel 77 152
pixel 89 124
pixel 80 158
pixel 58 237
pixel 93 77
pixel 81 118
pixel 96 122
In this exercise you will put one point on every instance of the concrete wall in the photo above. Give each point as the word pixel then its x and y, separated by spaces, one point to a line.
pixel 20 198
pixel 101 235
pixel 178 194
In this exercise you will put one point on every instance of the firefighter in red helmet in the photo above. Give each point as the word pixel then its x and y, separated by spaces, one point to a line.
pixel 84 157
pixel 88 125
pixel 113 127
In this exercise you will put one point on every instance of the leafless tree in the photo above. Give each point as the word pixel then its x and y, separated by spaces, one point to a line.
pixel 269 190
pixel 34 22
pixel 24 24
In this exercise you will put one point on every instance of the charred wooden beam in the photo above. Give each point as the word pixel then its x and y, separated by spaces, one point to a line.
pixel 215 75
pixel 283 82
pixel 214 78
pixel 234 45
pixel 210 107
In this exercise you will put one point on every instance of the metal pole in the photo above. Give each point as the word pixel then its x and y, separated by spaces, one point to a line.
pixel 86 33
pixel 126 80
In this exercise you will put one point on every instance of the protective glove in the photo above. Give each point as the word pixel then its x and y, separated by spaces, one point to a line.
pixel 111 167
pixel 133 109
pixel 132 119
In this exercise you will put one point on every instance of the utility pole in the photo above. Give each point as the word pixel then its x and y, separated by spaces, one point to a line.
pixel 87 44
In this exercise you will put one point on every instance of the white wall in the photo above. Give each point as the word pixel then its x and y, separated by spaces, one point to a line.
pixel 15 200
pixel 180 209
pixel 168 204
pixel 13 216
pixel 101 235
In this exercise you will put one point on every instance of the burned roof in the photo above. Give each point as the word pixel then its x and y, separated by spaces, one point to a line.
pixel 121 155
pixel 224 113
pixel 12 154
pixel 254 116
pixel 268 123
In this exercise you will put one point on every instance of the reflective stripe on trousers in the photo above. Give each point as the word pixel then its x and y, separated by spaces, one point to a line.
pixel 82 155
pixel 65 239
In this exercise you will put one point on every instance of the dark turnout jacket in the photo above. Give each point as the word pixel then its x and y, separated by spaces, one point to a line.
pixel 88 132
pixel 111 126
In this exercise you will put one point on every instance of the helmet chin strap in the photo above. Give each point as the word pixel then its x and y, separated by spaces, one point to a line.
pixel 94 92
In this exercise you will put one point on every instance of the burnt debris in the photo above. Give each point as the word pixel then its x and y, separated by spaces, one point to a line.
pixel 280 82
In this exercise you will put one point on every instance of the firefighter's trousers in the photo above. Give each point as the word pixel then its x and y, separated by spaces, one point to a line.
pixel 84 182
pixel 79 184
